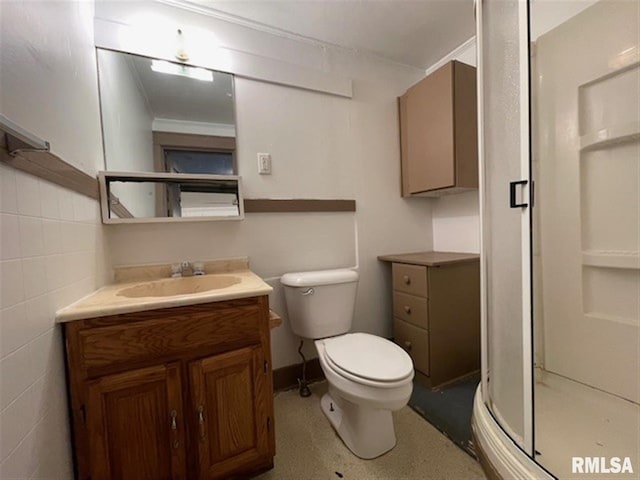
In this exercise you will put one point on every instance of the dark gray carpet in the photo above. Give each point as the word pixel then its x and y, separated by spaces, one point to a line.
pixel 448 409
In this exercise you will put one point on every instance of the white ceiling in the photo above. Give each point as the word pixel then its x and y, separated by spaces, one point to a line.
pixel 416 33
pixel 181 98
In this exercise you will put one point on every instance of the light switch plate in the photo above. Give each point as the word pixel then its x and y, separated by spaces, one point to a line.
pixel 264 164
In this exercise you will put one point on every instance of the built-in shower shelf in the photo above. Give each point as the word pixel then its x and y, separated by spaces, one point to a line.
pixel 603 317
pixel 611 259
pixel 626 132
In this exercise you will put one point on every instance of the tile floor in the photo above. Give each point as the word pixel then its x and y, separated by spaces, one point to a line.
pixel 308 448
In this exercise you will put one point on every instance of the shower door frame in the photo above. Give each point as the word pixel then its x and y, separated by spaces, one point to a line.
pixel 526 225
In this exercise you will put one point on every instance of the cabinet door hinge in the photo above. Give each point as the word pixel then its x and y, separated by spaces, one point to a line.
pixel 83 414
pixel 265 367
pixel 268 424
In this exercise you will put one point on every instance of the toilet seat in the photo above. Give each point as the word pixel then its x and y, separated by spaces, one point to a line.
pixel 368 360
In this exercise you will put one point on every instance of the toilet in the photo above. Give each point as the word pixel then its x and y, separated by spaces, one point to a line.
pixel 369 377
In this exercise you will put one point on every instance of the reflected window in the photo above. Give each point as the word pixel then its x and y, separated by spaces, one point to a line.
pixel 189 161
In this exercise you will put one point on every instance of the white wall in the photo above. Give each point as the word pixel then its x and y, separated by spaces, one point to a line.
pixel 456 221
pixel 128 136
pixel 51 242
pixel 322 146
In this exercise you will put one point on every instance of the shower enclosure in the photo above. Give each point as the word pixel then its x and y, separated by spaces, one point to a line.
pixel 559 93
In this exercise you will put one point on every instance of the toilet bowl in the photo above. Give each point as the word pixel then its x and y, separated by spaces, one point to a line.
pixel 369 377
pixel 359 405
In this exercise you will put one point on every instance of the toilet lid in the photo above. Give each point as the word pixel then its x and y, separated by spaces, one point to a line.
pixel 368 356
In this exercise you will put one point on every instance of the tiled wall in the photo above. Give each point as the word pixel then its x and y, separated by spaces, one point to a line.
pixel 51 254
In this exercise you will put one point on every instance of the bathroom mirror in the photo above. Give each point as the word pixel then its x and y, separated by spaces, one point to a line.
pixel 151 197
pixel 165 117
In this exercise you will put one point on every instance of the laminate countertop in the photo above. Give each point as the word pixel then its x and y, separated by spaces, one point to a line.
pixel 135 291
pixel 430 259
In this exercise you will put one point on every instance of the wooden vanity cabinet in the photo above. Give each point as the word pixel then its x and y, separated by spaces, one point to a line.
pixel 129 433
pixel 176 393
pixel 233 419
pixel 438 133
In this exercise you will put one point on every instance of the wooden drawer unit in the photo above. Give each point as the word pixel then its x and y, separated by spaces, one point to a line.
pixel 436 310
pixel 174 393
pixel 415 341
pixel 410 279
pixel 411 309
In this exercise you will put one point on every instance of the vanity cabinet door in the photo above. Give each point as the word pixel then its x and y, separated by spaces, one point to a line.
pixel 136 427
pixel 230 401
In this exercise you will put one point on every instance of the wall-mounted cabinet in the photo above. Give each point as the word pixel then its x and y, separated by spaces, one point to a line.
pixel 438 133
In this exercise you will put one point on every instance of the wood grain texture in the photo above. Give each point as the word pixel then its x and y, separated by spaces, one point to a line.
pixel 229 389
pixel 130 419
pixel 275 320
pixel 168 335
pixel 135 387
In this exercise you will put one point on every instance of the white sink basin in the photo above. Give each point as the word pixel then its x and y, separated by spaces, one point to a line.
pixel 180 286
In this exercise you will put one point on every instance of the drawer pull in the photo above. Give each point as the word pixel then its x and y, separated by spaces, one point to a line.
pixel 407 309
pixel 407 280
pixel 407 346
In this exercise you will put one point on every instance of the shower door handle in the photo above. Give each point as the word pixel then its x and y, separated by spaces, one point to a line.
pixel 512 194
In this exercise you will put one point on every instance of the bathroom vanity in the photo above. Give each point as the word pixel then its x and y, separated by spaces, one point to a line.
pixel 436 313
pixel 173 386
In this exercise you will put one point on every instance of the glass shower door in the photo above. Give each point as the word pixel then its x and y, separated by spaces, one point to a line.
pixel 503 72
pixel 586 106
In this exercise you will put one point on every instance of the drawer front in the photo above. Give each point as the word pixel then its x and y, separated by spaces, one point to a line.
pixel 411 309
pixel 182 333
pixel 411 279
pixel 415 341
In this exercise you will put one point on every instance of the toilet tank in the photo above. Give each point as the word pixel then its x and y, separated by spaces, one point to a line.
pixel 321 303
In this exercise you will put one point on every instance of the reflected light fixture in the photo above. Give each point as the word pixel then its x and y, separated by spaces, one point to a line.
pixel 162 66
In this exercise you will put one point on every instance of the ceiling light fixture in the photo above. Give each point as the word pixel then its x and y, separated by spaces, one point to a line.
pixel 162 66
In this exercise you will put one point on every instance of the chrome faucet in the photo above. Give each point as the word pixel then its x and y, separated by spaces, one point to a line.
pixel 185 269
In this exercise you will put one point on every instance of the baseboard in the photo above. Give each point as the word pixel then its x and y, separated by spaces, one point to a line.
pixel 287 377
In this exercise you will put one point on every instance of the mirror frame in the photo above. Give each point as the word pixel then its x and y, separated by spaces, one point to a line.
pixel 105 177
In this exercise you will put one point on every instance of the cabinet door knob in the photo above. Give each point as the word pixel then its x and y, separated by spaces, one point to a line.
pixel 407 280
pixel 407 345
pixel 407 309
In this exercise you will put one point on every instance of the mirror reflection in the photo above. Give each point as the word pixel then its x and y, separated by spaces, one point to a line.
pixel 129 198
pixel 160 116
